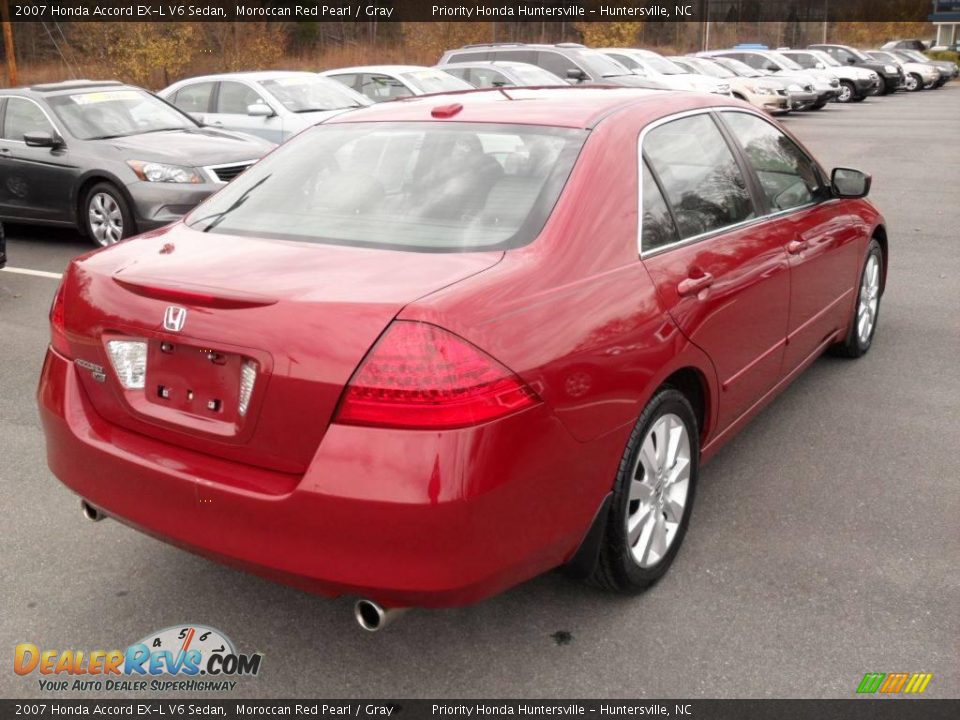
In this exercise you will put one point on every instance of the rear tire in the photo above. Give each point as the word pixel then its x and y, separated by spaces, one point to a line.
pixel 653 496
pixel 866 310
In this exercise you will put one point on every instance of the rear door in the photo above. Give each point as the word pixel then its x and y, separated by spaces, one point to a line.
pixel 820 240
pixel 719 273
pixel 37 181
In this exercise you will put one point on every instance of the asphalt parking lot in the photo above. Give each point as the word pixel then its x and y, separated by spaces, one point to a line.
pixel 824 543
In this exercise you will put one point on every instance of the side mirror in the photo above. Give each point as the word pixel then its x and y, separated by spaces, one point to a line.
pixel 260 110
pixel 198 118
pixel 821 66
pixel 849 183
pixel 41 138
pixel 576 74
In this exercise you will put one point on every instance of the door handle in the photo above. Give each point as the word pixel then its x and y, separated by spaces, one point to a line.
pixel 795 247
pixel 693 285
pixel 5 151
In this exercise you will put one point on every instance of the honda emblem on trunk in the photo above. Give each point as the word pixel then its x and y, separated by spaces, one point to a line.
pixel 174 318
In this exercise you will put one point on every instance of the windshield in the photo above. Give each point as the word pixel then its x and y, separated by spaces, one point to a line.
pixel 116 113
pixel 857 54
pixel 601 65
pixel 533 75
pixel 785 61
pixel 825 58
pixel 884 56
pixel 912 56
pixel 435 81
pixel 740 68
pixel 308 93
pixel 428 187
pixel 709 68
pixel 660 65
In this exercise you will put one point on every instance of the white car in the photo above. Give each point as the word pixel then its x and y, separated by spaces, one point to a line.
pixel 767 94
pixel 826 85
pixel 656 67
pixel 916 76
pixel 273 105
pixel 389 82
pixel 856 83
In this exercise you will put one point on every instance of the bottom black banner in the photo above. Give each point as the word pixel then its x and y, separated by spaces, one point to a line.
pixel 867 709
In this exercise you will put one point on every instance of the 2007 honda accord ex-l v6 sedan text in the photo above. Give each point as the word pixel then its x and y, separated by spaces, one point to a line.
pixel 432 348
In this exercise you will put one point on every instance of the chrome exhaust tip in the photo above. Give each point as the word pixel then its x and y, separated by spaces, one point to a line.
pixel 90 512
pixel 372 616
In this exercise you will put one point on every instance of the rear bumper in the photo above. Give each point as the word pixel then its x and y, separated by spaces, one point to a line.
pixel 157 204
pixel 440 519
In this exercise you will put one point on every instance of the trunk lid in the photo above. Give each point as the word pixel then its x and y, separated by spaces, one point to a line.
pixel 302 315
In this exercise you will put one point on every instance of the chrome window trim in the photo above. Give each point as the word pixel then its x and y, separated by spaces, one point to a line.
pixel 42 109
pixel 711 233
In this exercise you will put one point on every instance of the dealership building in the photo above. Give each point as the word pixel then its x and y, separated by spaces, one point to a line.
pixel 946 18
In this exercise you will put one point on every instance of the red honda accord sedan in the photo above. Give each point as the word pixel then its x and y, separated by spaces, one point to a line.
pixel 430 349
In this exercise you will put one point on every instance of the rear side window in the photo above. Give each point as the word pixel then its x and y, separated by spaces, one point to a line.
pixel 467 57
pixel 422 186
pixel 656 224
pixel 194 98
pixel 787 176
pixel 527 56
pixel 23 116
pixel 702 181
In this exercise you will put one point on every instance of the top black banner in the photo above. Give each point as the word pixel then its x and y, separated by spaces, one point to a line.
pixel 475 11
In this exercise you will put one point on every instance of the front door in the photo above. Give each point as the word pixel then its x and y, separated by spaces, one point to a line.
pixel 720 275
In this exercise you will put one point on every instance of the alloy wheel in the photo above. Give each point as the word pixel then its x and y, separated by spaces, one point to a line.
pixel 869 299
pixel 106 219
pixel 846 93
pixel 658 491
pixel 911 83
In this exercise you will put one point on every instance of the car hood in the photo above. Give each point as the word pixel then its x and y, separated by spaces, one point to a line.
pixel 202 146
pixel 632 81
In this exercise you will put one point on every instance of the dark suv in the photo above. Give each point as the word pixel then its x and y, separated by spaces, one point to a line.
pixel 573 62
pixel 891 76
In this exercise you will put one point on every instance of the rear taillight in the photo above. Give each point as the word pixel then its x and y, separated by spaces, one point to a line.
pixel 58 329
pixel 423 377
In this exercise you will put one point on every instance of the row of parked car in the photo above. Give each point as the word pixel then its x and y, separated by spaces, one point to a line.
pixel 113 160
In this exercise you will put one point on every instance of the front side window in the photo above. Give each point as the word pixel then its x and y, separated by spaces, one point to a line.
pixel 234 98
pixel 428 187
pixel 656 224
pixel 116 113
pixel 22 117
pixel 787 176
pixel 484 77
pixel 698 173
pixel 804 60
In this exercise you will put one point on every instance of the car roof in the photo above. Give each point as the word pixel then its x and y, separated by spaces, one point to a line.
pixel 72 85
pixel 572 107
pixel 508 64
pixel 379 68
pixel 251 75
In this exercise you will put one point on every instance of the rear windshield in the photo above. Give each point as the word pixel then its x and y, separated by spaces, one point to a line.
pixel 428 187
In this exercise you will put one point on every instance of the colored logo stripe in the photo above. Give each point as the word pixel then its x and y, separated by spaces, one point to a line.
pixel 894 683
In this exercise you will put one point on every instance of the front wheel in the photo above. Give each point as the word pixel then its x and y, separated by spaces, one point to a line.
pixel 106 216
pixel 847 92
pixel 913 82
pixel 863 324
pixel 882 86
pixel 652 497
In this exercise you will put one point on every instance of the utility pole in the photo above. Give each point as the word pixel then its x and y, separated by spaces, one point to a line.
pixel 8 43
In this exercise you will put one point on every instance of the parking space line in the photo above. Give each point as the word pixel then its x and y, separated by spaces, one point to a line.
pixel 36 273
